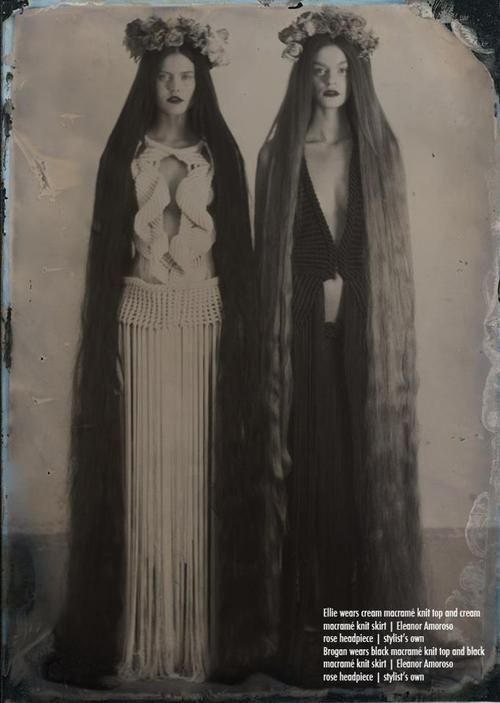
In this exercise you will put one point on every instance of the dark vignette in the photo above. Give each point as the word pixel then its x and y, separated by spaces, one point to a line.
pixel 10 6
pixel 483 17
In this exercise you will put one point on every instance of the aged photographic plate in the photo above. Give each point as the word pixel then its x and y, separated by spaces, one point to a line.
pixel 66 76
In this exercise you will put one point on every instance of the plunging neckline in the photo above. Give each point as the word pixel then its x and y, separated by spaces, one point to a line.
pixel 336 241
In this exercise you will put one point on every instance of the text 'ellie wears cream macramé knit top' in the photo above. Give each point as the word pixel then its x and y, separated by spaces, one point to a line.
pixel 182 262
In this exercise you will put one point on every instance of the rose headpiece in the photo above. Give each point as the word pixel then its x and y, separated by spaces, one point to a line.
pixel 332 21
pixel 156 34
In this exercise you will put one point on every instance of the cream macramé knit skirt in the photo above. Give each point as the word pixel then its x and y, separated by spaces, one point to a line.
pixel 168 349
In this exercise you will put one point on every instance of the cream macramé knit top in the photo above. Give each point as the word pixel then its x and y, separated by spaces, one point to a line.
pixel 185 256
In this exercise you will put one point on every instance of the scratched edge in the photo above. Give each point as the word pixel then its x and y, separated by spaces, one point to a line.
pixel 7 43
pixel 491 347
pixel 489 686
pixel 39 4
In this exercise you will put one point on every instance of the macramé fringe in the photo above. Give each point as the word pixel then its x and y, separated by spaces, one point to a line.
pixel 168 346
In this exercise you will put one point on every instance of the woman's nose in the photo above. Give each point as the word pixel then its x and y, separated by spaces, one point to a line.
pixel 173 85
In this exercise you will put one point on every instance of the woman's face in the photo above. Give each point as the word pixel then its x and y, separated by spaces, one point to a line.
pixel 330 78
pixel 175 84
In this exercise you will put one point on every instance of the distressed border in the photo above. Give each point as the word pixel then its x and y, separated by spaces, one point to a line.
pixel 475 23
pixel 475 28
pixel 6 312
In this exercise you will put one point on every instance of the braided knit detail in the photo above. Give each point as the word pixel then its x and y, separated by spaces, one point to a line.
pixel 166 256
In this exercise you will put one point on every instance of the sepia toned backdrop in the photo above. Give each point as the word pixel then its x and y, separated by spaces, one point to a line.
pixel 71 77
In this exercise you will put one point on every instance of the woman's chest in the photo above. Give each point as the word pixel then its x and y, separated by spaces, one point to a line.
pixel 329 174
pixel 173 172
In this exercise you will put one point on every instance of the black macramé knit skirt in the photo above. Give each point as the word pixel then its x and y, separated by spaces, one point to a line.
pixel 326 446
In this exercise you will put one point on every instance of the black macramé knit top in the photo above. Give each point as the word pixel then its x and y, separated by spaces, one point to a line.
pixel 316 256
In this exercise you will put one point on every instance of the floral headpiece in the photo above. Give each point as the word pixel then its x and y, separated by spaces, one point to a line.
pixel 329 20
pixel 155 34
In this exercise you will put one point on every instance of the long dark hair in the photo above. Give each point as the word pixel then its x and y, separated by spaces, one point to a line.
pixel 88 634
pixel 388 498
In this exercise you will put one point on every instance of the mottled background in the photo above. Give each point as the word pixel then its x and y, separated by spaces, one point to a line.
pixel 71 77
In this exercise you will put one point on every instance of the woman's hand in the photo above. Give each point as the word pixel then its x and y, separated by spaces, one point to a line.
pixel 332 289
